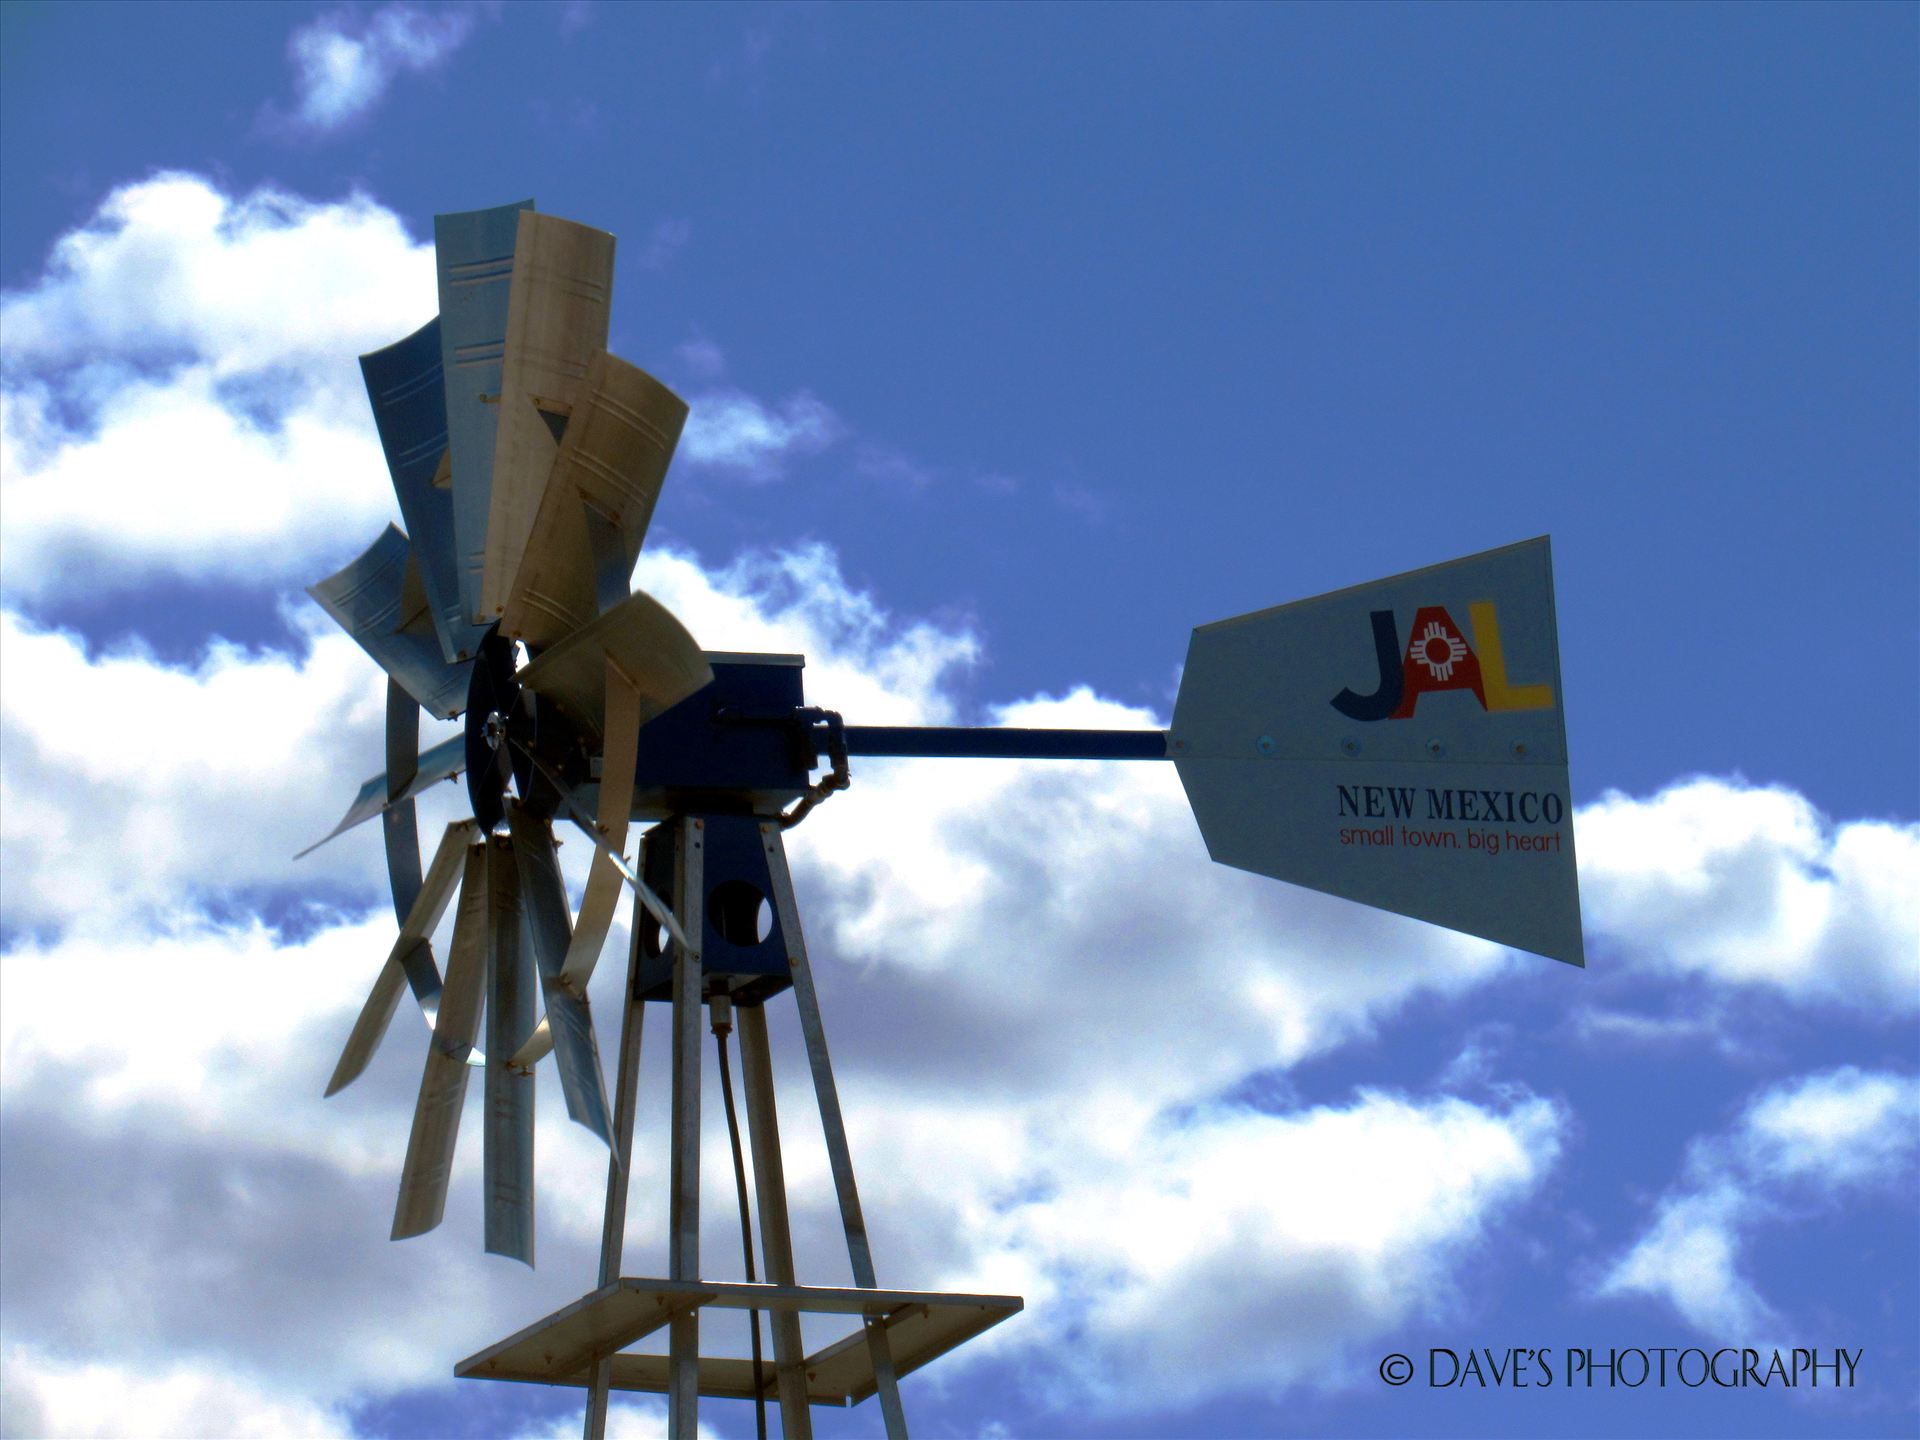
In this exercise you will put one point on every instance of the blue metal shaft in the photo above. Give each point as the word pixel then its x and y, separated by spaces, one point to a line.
pixel 997 742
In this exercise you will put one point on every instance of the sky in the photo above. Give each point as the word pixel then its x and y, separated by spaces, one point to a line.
pixel 1017 342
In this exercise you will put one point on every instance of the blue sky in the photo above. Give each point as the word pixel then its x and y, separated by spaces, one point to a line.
pixel 1018 342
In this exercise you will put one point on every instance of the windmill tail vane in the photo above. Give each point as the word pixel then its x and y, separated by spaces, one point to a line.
pixel 527 461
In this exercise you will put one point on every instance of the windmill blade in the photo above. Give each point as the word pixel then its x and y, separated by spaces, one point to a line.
pixel 442 762
pixel 508 1162
pixel 557 316
pixel 622 709
pixel 410 962
pixel 378 603
pixel 443 1081
pixel 473 254
pixel 597 504
pixel 399 830
pixel 640 641
pixel 408 394
pixel 567 1027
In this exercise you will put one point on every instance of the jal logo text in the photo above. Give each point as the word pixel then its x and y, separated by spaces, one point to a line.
pixel 1438 657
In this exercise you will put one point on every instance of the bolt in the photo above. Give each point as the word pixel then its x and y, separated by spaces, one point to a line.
pixel 1434 747
pixel 1266 744
pixel 1352 747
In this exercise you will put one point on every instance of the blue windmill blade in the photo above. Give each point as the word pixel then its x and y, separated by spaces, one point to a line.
pixel 380 601
pixel 569 1021
pixel 408 394
pixel 507 1162
pixel 473 253
pixel 442 762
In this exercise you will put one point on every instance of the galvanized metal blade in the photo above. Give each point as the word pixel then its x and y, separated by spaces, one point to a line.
pixel 442 762
pixel 400 832
pixel 473 253
pixel 567 1027
pixel 621 710
pixel 443 1082
pixel 557 315
pixel 597 504
pixel 410 962
pixel 408 395
pixel 638 639
pixel 369 598
pixel 508 1160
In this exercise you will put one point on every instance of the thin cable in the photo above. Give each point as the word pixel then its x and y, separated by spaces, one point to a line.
pixel 746 1226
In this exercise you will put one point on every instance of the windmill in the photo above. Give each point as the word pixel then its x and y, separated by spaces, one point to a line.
pixel 527 460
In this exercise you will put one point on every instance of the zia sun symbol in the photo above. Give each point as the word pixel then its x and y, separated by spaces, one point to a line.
pixel 1438 650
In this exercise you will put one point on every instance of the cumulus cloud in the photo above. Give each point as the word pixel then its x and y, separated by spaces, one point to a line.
pixel 1004 949
pixel 1801 1147
pixel 49 1395
pixel 180 394
pixel 731 431
pixel 1273 1282
pixel 1752 887
pixel 344 65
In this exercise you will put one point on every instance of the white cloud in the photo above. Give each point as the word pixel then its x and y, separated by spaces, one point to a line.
pixel 951 906
pixel 343 67
pixel 731 430
pixel 668 239
pixel 1751 887
pixel 48 1396
pixel 1224 1270
pixel 180 391
pixel 1801 1147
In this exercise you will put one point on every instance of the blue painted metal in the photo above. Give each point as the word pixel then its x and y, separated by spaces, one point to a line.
pixel 369 600
pixel 473 252
pixel 1005 743
pixel 736 880
pixel 406 389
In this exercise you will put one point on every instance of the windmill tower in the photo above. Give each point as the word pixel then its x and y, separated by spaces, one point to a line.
pixel 527 460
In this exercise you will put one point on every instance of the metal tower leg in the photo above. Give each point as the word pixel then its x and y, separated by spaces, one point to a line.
pixel 776 1240
pixel 683 1255
pixel 838 1156
pixel 613 1230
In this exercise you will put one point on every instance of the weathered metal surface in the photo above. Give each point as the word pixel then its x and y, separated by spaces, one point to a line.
pixel 613 1220
pixel 561 1349
pixel 442 762
pixel 612 461
pixel 683 1207
pixel 507 1163
pixel 569 1021
pixel 839 1154
pixel 776 1236
pixel 370 599
pixel 557 312
pixel 399 829
pixel 443 1081
pixel 643 640
pixel 1400 743
pixel 410 961
pixel 408 394
pixel 621 713
pixel 473 254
